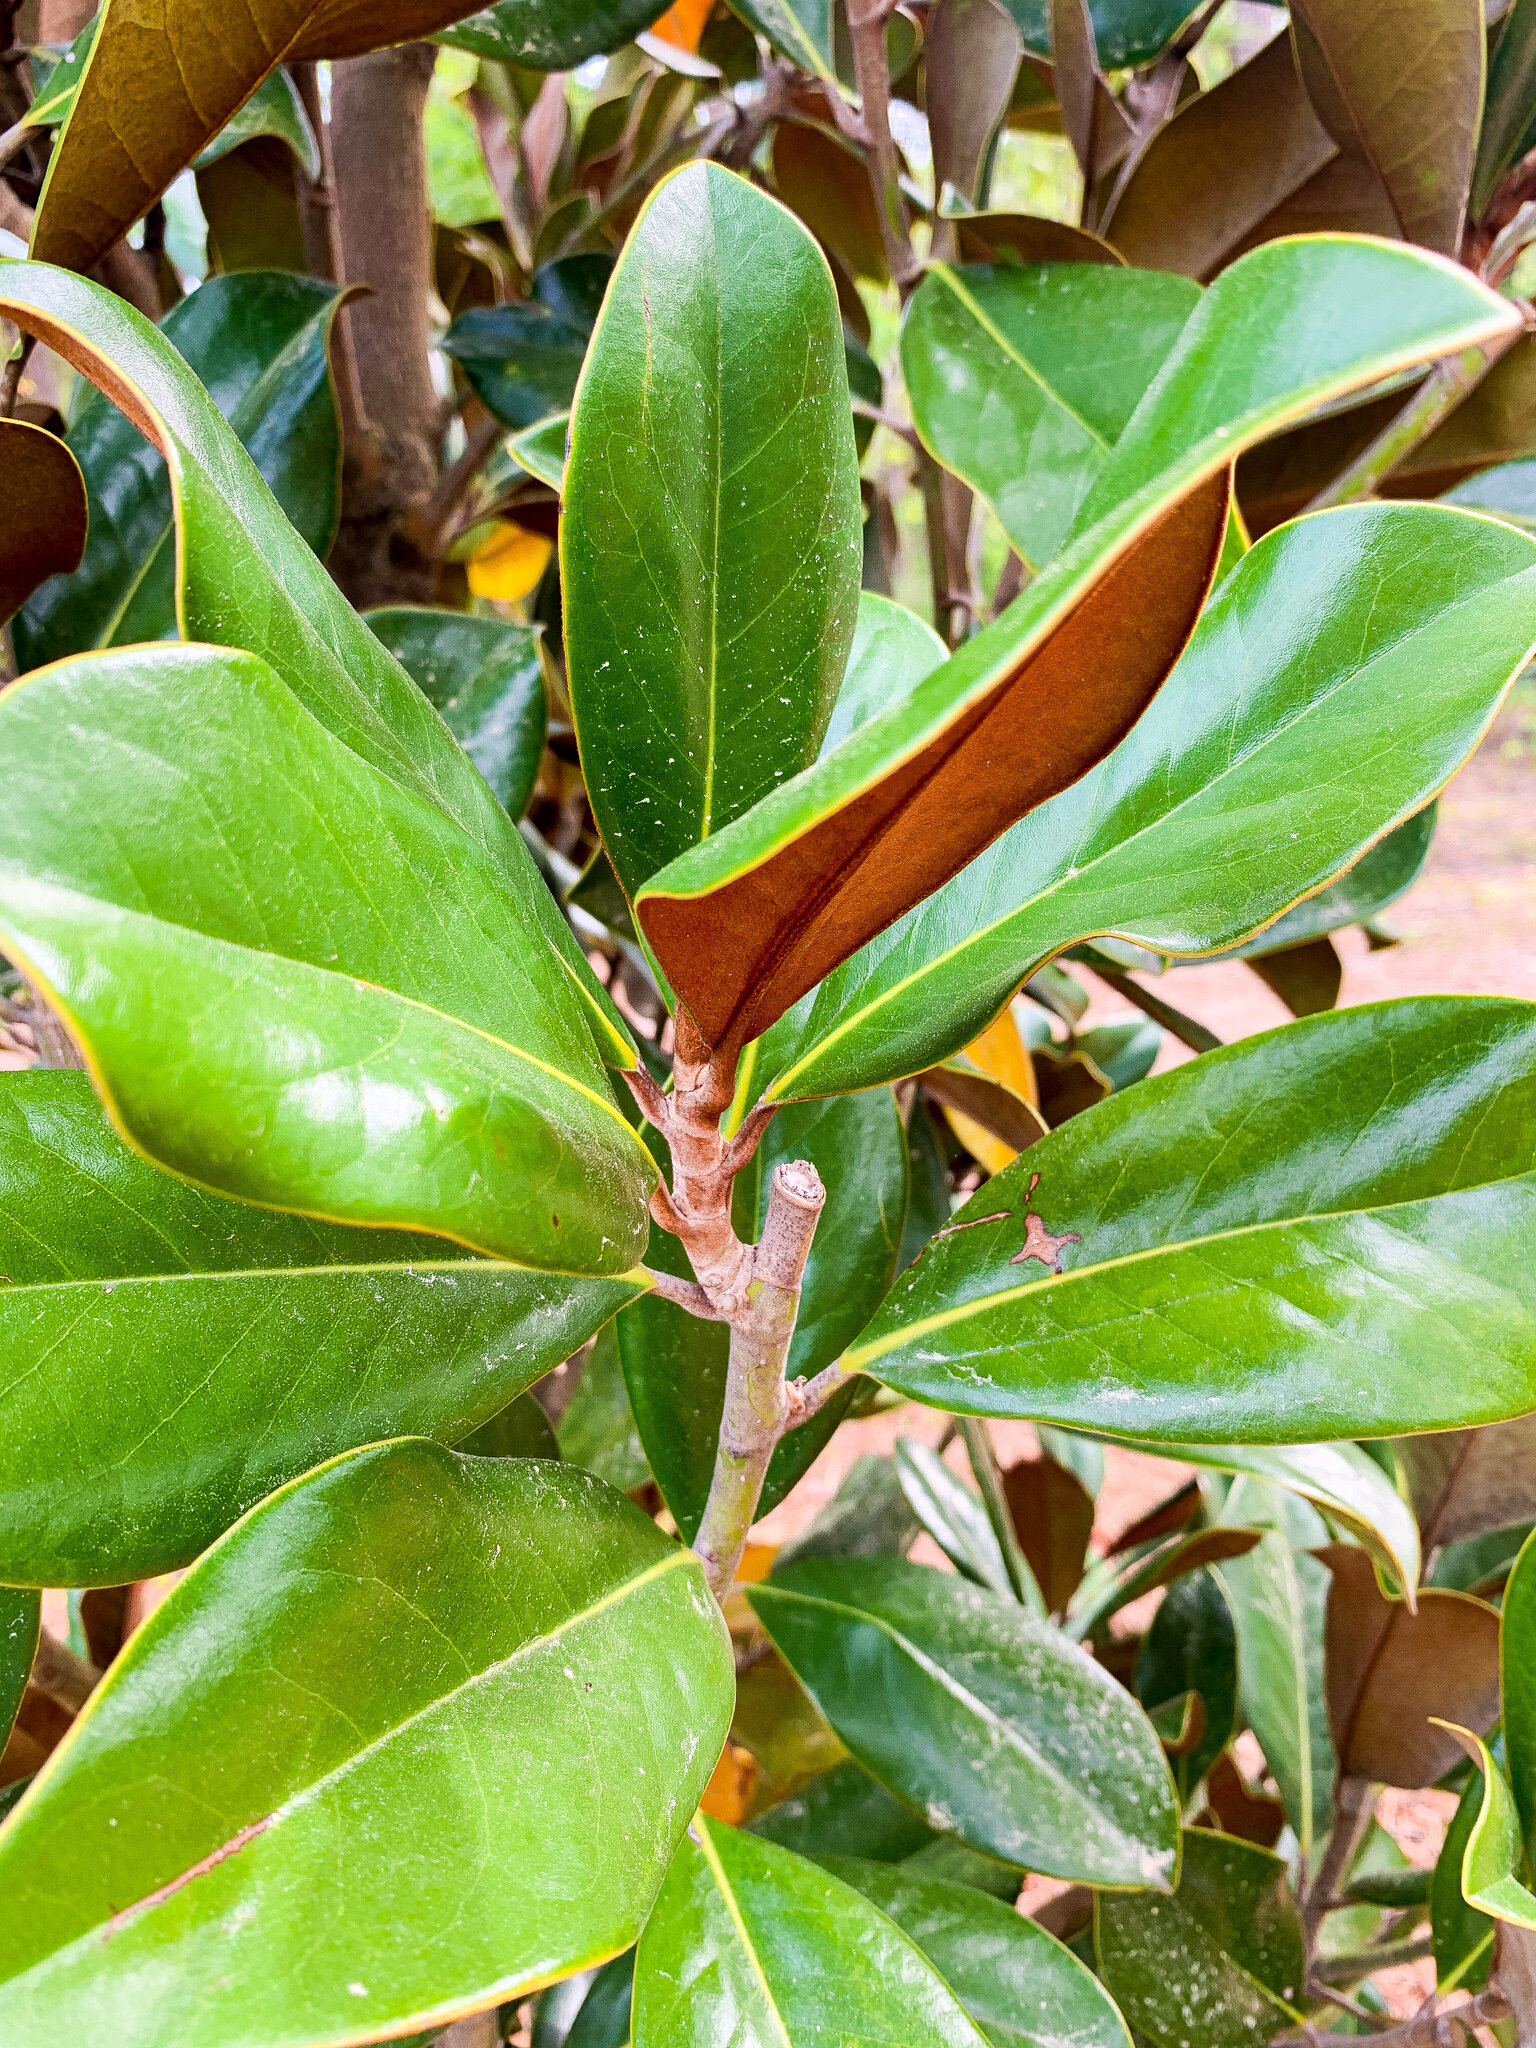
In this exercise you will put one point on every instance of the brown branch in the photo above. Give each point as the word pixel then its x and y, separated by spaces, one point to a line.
pixel 740 1151
pixel 1424 2030
pixel 654 1106
pixel 807 1396
pixel 866 32
pixel 1354 1801
pixel 687 1294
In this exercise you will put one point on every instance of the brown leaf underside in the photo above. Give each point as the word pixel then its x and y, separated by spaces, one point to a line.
pixel 42 512
pixel 742 954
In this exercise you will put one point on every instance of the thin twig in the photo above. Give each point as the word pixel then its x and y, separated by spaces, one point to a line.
pixel 1347 2004
pixel 1183 1028
pixel 863 410
pixel 654 1106
pixel 1422 2031
pixel 740 1150
pixel 1354 1801
pixel 1384 1956
pixel 806 1396
pixel 687 1294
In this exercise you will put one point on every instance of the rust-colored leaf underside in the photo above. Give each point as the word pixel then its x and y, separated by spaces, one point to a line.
pixel 742 954
pixel 43 514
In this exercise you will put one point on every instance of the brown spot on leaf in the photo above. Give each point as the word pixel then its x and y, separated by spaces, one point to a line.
pixel 209 1862
pixel 1039 1243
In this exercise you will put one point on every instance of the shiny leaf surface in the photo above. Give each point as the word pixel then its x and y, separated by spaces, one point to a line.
pixel 277 998
pixel 893 649
pixel 522 357
pixel 1278 1594
pixel 1463 1937
pixel 1023 378
pixel 1192 1647
pixel 1494 1859
pixel 1017 1982
pixel 991 1723
pixel 549 35
pixel 520 1430
pixel 845 1812
pixel 511 1641
pixel 1509 104
pixel 750 919
pixel 1517 1663
pixel 204 1351
pixel 675 1364
pixel 750 1946
pixel 280 603
pixel 1391 1673
pixel 801 30
pixel 1292 679
pixel 43 521
pixel 597 1429
pixel 1221 1963
pixel 258 342
pixel 486 679
pixel 20 1611
pixel 1332 1217
pixel 952 1514
pixel 710 560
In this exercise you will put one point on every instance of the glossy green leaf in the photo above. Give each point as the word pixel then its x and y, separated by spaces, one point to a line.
pixel 20 1615
pixel 277 996
pixel 1279 1595
pixel 1115 1581
pixel 752 1946
pixel 710 567
pixel 801 30
pixel 1328 1223
pixel 1403 90
pixel 273 109
pixel 522 357
pixel 893 649
pixel 258 341
pixel 55 84
pixel 991 1723
pixel 604 2018
pixel 597 1429
pixel 1020 1985
pixel 845 1812
pixel 1221 1964
pixel 170 1356
pixel 953 1516
pixel 1342 1480
pixel 1192 1647
pixel 1463 1937
pixel 1127 32
pixel 1508 490
pixel 751 918
pixel 510 1643
pixel 1494 1867
pixel 1123 1053
pixel 1517 1659
pixel 675 1363
pixel 520 1430
pixel 1022 378
pixel 549 35
pixel 487 680
pixel 1510 102
pixel 1479 1564
pixel 1294 678
pixel 541 450
pixel 279 602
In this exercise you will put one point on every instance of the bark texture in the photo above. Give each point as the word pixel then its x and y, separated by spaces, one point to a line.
pixel 377 106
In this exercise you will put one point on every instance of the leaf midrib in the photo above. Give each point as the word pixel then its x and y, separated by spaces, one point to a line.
pixel 1009 1731
pixel 728 1895
pixel 199 1275
pixel 857 1359
pixel 306 1795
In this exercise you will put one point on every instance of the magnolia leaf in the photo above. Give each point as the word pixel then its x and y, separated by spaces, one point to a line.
pixel 487 680
pixel 953 1515
pixel 259 344
pixel 1392 1672
pixel 1517 1653
pixel 1400 84
pixel 824 181
pixel 1221 1963
pixel 1464 1482
pixel 522 358
pixel 893 649
pixel 675 1363
pixel 541 450
pixel 801 30
pixel 20 1615
pixel 749 1942
pixel 1129 33
pixel 258 938
pixel 1025 238
pixel 520 1430
pixel 1361 893
pixel 991 1723
pixel 710 570
pixel 1341 1479
pixel 748 920
pixel 543 35
pixel 44 518
pixel 1118 1579
pixel 1331 1236
pixel 1494 1857
pixel 1022 379
pixel 1462 1936
pixel 1052 1513
pixel 1225 161
pixel 274 110
pixel 1191 1648
pixel 445 1622
pixel 1510 104
pixel 597 1429
pixel 205 1351
pixel 1022 1986
pixel 971 54
pixel 845 1812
